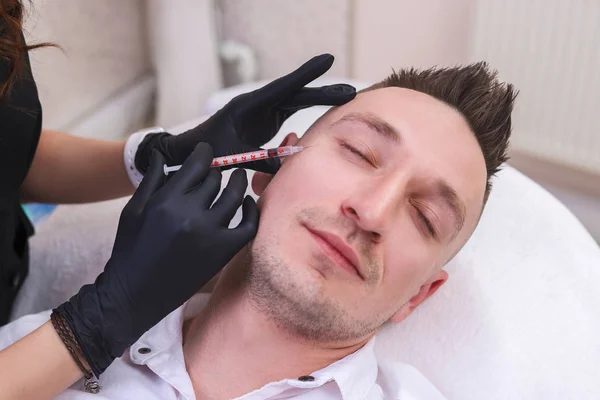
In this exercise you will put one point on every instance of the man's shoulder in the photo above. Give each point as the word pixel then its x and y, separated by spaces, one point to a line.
pixel 21 327
pixel 400 381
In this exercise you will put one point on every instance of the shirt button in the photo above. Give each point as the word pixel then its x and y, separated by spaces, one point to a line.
pixel 306 378
pixel 144 350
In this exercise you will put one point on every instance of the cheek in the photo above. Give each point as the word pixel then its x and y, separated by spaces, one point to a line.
pixel 407 264
pixel 310 179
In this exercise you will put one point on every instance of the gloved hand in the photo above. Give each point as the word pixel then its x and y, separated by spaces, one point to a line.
pixel 169 243
pixel 251 119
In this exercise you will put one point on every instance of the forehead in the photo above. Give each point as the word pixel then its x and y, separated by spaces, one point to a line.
pixel 435 138
pixel 411 112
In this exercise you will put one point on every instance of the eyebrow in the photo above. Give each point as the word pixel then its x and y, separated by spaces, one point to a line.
pixel 453 201
pixel 374 123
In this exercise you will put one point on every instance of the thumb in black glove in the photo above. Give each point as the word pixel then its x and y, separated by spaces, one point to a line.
pixel 170 242
pixel 252 119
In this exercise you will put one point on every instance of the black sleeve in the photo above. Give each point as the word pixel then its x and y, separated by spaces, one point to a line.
pixel 20 126
pixel 20 129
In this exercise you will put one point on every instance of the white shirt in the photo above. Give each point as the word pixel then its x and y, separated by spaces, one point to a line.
pixel 154 368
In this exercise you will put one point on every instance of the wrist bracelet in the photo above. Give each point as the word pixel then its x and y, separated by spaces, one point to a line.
pixel 131 148
pixel 68 338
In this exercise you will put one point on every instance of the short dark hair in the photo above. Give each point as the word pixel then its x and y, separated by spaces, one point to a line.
pixel 475 91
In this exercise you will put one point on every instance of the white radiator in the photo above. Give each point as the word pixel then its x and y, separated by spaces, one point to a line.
pixel 550 50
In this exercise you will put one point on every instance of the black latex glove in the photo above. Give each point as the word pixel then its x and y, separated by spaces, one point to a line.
pixel 170 242
pixel 252 119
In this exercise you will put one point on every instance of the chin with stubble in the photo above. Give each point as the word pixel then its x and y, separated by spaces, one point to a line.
pixel 296 301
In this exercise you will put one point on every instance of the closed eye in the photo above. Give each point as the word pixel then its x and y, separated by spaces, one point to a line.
pixel 427 223
pixel 355 151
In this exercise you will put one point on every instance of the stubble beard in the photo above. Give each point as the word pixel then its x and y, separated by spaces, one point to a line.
pixel 300 309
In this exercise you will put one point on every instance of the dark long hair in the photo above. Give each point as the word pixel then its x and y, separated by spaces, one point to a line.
pixel 12 45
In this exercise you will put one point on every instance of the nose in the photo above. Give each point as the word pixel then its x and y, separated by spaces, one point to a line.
pixel 373 206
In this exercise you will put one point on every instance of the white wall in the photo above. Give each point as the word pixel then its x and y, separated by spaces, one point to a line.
pixel 284 34
pixel 367 37
pixel 390 34
pixel 105 51
pixel 550 50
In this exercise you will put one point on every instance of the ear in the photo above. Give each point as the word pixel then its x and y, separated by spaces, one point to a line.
pixel 260 180
pixel 426 290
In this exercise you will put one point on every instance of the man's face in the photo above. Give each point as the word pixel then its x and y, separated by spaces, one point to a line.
pixel 354 230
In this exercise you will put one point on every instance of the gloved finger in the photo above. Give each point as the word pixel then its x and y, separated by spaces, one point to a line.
pixel 194 170
pixel 206 192
pixel 281 88
pixel 246 230
pixel 332 95
pixel 268 165
pixel 232 196
pixel 154 179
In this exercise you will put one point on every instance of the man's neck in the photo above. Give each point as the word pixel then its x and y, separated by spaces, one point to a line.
pixel 231 348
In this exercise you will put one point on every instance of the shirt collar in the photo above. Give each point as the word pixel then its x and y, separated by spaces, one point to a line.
pixel 354 374
pixel 160 349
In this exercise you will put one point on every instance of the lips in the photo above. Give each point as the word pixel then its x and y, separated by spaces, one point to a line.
pixel 337 249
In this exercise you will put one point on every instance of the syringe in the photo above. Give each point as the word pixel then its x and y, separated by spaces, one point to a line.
pixel 245 157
